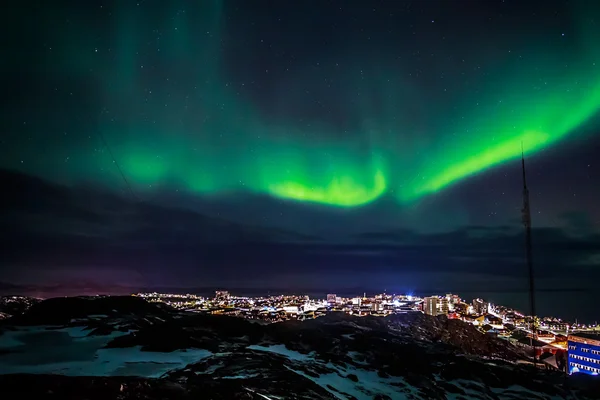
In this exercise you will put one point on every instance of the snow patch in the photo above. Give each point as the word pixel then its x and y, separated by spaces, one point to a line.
pixel 368 385
pixel 284 351
pixel 241 376
pixel 356 357
pixel 261 395
pixel 70 351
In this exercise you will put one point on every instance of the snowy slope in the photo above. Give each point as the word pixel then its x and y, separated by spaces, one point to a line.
pixel 121 348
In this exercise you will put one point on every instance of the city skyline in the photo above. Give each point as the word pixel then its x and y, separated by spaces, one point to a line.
pixel 511 299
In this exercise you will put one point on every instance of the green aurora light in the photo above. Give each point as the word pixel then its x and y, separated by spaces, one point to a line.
pixel 228 145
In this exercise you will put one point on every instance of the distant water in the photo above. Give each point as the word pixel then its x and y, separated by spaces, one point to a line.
pixel 581 305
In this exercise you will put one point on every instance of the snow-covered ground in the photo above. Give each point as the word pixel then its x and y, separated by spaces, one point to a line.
pixel 337 382
pixel 69 351
pixel 284 351
pixel 367 385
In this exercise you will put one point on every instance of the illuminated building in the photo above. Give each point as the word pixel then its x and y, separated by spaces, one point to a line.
pixel 331 298
pixel 556 325
pixel 291 309
pixel 461 308
pixel 453 301
pixel 444 306
pixel 308 307
pixel 430 306
pixel 221 295
pixel 480 306
pixel 584 353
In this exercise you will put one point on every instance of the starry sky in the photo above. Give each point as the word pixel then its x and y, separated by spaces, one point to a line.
pixel 315 137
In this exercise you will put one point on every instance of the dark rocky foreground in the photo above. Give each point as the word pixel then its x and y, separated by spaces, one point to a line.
pixel 408 356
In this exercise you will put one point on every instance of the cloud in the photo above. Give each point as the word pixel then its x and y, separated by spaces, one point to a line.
pixel 62 229
pixel 578 223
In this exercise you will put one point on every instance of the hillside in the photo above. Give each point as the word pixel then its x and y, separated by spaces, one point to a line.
pixel 123 347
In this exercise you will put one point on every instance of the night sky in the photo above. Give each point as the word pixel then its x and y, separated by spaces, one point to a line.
pixel 312 144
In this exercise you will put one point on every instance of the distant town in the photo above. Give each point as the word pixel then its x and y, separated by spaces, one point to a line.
pixel 553 337
pixel 490 317
pixel 557 344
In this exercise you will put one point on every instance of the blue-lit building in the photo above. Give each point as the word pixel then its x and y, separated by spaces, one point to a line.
pixel 584 353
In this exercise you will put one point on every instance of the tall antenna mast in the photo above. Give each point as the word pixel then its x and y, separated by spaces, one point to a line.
pixel 526 214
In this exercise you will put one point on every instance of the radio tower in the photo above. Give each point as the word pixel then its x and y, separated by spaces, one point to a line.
pixel 526 214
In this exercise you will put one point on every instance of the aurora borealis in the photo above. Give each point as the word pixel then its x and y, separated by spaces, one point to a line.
pixel 175 90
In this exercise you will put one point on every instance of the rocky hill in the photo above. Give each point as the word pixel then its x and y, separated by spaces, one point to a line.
pixel 125 348
pixel 63 310
pixel 15 305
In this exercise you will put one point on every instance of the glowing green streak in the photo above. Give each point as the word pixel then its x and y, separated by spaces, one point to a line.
pixel 342 191
pixel 507 150
pixel 184 125
pixel 536 121
pixel 383 154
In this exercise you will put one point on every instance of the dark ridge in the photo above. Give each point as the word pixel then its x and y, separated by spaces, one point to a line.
pixel 61 310
pixel 16 307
